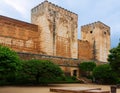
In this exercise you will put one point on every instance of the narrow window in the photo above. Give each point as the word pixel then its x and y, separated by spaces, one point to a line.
pixel 74 72
pixel 105 33
pixel 91 32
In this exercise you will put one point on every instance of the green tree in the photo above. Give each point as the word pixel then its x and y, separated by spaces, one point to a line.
pixel 41 71
pixel 87 67
pixel 9 64
pixel 103 74
pixel 114 59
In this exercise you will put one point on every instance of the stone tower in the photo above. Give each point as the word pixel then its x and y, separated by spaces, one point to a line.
pixel 98 34
pixel 57 30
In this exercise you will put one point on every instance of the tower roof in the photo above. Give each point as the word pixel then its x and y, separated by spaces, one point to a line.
pixel 50 3
pixel 96 23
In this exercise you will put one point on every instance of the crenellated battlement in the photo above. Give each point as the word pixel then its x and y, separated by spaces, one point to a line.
pixel 54 7
pixel 36 8
pixel 98 24
pixel 95 24
pixel 103 24
pixel 18 23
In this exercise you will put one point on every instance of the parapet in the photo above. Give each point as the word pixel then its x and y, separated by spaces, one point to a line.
pixel 55 8
pixel 14 22
pixel 96 23
pixel 99 24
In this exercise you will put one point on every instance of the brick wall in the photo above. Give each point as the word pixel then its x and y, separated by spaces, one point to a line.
pixel 62 61
pixel 84 50
pixel 18 35
pixel 68 65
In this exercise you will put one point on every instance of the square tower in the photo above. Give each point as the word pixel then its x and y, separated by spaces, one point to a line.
pixel 98 35
pixel 57 30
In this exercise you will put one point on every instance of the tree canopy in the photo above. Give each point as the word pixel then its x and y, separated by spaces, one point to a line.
pixel 42 71
pixel 103 74
pixel 9 64
pixel 87 66
pixel 114 59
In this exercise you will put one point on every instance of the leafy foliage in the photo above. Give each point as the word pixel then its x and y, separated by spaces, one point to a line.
pixel 103 74
pixel 114 59
pixel 16 71
pixel 87 66
pixel 9 64
pixel 41 71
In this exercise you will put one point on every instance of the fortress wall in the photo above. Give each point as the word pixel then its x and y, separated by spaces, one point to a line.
pixel 98 35
pixel 68 65
pixel 85 50
pixel 18 35
pixel 58 29
pixel 57 60
pixel 55 32
pixel 39 17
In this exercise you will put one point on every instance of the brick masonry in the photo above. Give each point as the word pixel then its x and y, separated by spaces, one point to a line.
pixel 18 35
pixel 85 50
pixel 54 32
pixel 98 35
pixel 68 65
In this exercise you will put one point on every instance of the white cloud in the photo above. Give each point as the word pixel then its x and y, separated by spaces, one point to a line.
pixel 1 12
pixel 20 6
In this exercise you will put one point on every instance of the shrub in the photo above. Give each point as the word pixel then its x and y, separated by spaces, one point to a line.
pixel 9 64
pixel 103 74
pixel 41 71
pixel 87 68
pixel 114 59
pixel 118 81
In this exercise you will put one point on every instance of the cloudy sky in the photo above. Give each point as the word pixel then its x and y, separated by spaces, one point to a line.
pixel 89 11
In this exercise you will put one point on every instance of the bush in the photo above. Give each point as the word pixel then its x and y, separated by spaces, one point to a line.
pixel 9 65
pixel 41 71
pixel 87 68
pixel 114 59
pixel 103 74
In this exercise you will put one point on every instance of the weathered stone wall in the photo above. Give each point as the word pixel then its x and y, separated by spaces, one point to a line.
pixel 71 71
pixel 85 50
pixel 18 35
pixel 55 34
pixel 57 60
pixel 98 34
pixel 54 37
pixel 39 17
pixel 68 65
pixel 58 30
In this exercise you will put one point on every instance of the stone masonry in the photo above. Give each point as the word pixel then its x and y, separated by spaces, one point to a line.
pixel 58 28
pixel 52 35
pixel 98 35
pixel 18 35
pixel 53 32
pixel 85 50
